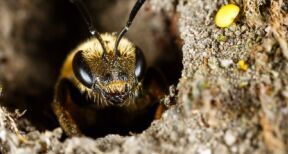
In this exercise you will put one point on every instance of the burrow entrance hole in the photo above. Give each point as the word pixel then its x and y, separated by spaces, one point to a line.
pixel 63 30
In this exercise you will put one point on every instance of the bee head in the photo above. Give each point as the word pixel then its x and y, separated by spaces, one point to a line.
pixel 115 76
pixel 109 65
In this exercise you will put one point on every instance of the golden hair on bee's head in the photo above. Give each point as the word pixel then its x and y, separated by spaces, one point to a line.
pixel 94 48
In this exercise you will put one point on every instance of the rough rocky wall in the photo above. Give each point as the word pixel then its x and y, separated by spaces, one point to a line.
pixel 220 107
pixel 248 106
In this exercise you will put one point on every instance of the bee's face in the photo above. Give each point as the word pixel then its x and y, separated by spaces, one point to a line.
pixel 114 77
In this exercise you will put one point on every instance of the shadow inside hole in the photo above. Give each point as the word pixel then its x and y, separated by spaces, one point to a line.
pixel 48 46
pixel 95 122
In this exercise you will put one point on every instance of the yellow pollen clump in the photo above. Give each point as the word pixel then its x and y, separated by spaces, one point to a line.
pixel 226 15
pixel 242 65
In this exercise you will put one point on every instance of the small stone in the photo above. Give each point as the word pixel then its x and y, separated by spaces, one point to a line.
pixel 3 135
pixel 230 138
pixel 212 63
pixel 243 29
pixel 234 149
pixel 206 151
pixel 226 63
pixel 232 27
pixel 238 33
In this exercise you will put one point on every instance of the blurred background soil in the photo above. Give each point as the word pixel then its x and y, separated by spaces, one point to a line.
pixel 215 106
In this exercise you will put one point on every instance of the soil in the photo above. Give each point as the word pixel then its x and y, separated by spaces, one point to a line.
pixel 214 105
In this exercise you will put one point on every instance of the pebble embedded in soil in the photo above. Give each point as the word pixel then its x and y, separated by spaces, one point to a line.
pixel 230 138
pixel 226 62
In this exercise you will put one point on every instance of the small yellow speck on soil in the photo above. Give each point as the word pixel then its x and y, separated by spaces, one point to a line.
pixel 242 65
pixel 226 15
pixel 222 38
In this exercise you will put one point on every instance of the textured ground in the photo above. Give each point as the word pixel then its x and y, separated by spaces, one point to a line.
pixel 220 108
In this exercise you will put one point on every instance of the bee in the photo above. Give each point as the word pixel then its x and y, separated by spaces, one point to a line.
pixel 104 85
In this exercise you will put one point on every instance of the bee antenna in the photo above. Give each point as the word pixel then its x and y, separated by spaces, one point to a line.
pixel 132 15
pixel 88 19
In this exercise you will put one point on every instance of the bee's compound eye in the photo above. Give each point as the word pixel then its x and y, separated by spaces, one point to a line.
pixel 81 70
pixel 140 64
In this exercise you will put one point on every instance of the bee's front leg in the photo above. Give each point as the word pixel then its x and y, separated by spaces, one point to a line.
pixel 60 99
pixel 157 87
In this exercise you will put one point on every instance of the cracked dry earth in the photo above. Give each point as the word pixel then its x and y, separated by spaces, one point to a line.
pixel 219 107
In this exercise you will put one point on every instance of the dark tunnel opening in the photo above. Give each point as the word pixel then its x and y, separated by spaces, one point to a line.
pixel 64 30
